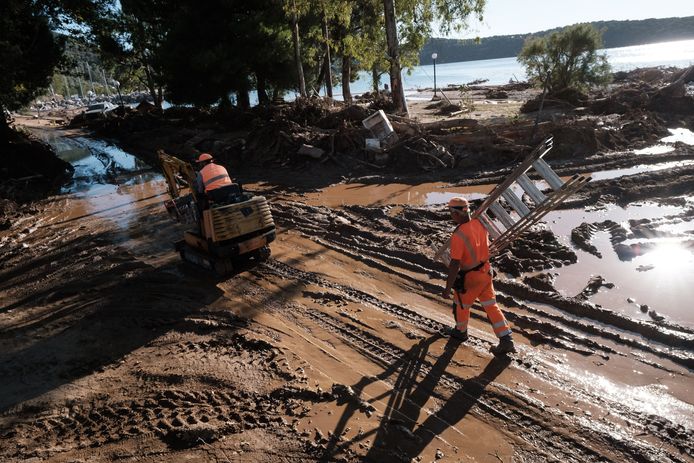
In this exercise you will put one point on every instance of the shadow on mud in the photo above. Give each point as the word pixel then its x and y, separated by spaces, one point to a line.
pixel 398 438
pixel 81 309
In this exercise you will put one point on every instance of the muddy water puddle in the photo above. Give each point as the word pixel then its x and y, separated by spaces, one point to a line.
pixel 107 183
pixel 659 277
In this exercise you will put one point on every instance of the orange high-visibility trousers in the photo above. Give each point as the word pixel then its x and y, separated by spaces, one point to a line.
pixel 478 285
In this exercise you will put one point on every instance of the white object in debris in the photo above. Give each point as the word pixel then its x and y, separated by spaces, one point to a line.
pixel 373 144
pixel 381 128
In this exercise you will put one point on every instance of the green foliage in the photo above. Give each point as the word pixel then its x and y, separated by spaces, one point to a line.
pixel 29 52
pixel 566 59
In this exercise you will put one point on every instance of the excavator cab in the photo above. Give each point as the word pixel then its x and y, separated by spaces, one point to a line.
pixel 227 227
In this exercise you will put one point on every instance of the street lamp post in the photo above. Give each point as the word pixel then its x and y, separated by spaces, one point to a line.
pixel 433 57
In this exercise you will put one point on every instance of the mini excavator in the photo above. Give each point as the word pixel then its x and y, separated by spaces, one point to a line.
pixel 222 234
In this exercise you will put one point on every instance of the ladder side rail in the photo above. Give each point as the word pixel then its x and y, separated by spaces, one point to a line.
pixel 492 229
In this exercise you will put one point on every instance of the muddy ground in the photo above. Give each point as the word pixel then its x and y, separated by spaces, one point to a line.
pixel 336 348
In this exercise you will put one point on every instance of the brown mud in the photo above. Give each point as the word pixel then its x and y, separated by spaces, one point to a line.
pixel 337 347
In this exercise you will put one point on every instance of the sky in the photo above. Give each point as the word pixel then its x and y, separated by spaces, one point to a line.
pixel 504 17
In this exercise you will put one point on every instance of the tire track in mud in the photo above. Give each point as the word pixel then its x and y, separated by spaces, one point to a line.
pixel 208 407
pixel 367 342
pixel 176 416
pixel 426 324
pixel 500 405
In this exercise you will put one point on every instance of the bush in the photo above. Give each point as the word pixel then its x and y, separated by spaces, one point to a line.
pixel 566 59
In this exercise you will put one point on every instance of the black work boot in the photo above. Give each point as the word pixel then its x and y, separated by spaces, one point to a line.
pixel 505 346
pixel 459 335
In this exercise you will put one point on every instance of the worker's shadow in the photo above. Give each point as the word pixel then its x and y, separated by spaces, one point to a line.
pixel 458 405
pixel 398 436
pixel 88 323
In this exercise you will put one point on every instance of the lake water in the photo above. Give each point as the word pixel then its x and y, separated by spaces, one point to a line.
pixel 501 70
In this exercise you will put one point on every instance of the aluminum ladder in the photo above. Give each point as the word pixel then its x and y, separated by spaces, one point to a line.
pixel 513 217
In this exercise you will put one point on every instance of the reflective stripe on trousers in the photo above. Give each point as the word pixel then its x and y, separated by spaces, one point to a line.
pixel 478 285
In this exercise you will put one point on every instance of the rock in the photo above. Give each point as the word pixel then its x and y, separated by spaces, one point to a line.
pixel 654 315
pixel 311 151
pixel 439 454
pixel 191 436
pixel 644 308
pixel 392 324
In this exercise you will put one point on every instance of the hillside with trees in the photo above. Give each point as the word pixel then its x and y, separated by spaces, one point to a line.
pixel 614 34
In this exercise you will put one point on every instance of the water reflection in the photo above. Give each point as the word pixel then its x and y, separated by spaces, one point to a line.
pixel 108 182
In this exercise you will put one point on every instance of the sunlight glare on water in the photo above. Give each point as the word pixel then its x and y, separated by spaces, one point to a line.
pixel 683 135
pixel 649 399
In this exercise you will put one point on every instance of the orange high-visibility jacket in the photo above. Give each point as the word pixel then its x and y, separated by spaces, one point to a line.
pixel 214 176
pixel 470 244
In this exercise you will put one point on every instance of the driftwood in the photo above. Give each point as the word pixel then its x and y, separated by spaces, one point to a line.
pixel 678 87
pixel 449 124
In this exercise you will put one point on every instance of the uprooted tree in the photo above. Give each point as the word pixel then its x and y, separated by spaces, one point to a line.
pixel 567 59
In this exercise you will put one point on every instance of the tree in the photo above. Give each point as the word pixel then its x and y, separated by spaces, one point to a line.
pixel 29 51
pixel 567 59
pixel 415 20
pixel 229 47
pixel 133 33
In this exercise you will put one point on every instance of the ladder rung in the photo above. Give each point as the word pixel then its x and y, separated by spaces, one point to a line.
pixel 492 229
pixel 548 174
pixel 539 151
pixel 571 186
pixel 516 203
pixel 501 214
pixel 529 187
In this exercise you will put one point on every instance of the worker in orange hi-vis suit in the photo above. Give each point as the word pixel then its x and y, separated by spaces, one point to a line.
pixel 470 277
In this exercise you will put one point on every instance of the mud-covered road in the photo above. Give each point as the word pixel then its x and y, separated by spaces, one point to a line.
pixel 335 349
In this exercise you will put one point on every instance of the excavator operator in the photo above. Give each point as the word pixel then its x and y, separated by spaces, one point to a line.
pixel 211 176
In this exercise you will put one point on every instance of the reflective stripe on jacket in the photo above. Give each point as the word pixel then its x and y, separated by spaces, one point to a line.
pixel 214 176
pixel 470 244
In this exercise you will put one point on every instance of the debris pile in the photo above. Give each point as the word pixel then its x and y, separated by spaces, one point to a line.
pixel 29 169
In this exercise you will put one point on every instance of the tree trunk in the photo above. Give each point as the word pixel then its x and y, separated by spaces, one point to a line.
pixel 346 77
pixel 261 87
pixel 152 88
pixel 242 98
pixel 297 53
pixel 375 78
pixel 392 38
pixel 328 67
pixel 160 97
pixel 4 125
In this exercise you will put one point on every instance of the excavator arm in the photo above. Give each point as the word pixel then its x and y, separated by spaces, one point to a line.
pixel 179 174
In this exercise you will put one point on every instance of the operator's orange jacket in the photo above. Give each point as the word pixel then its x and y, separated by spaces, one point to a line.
pixel 470 245
pixel 214 176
